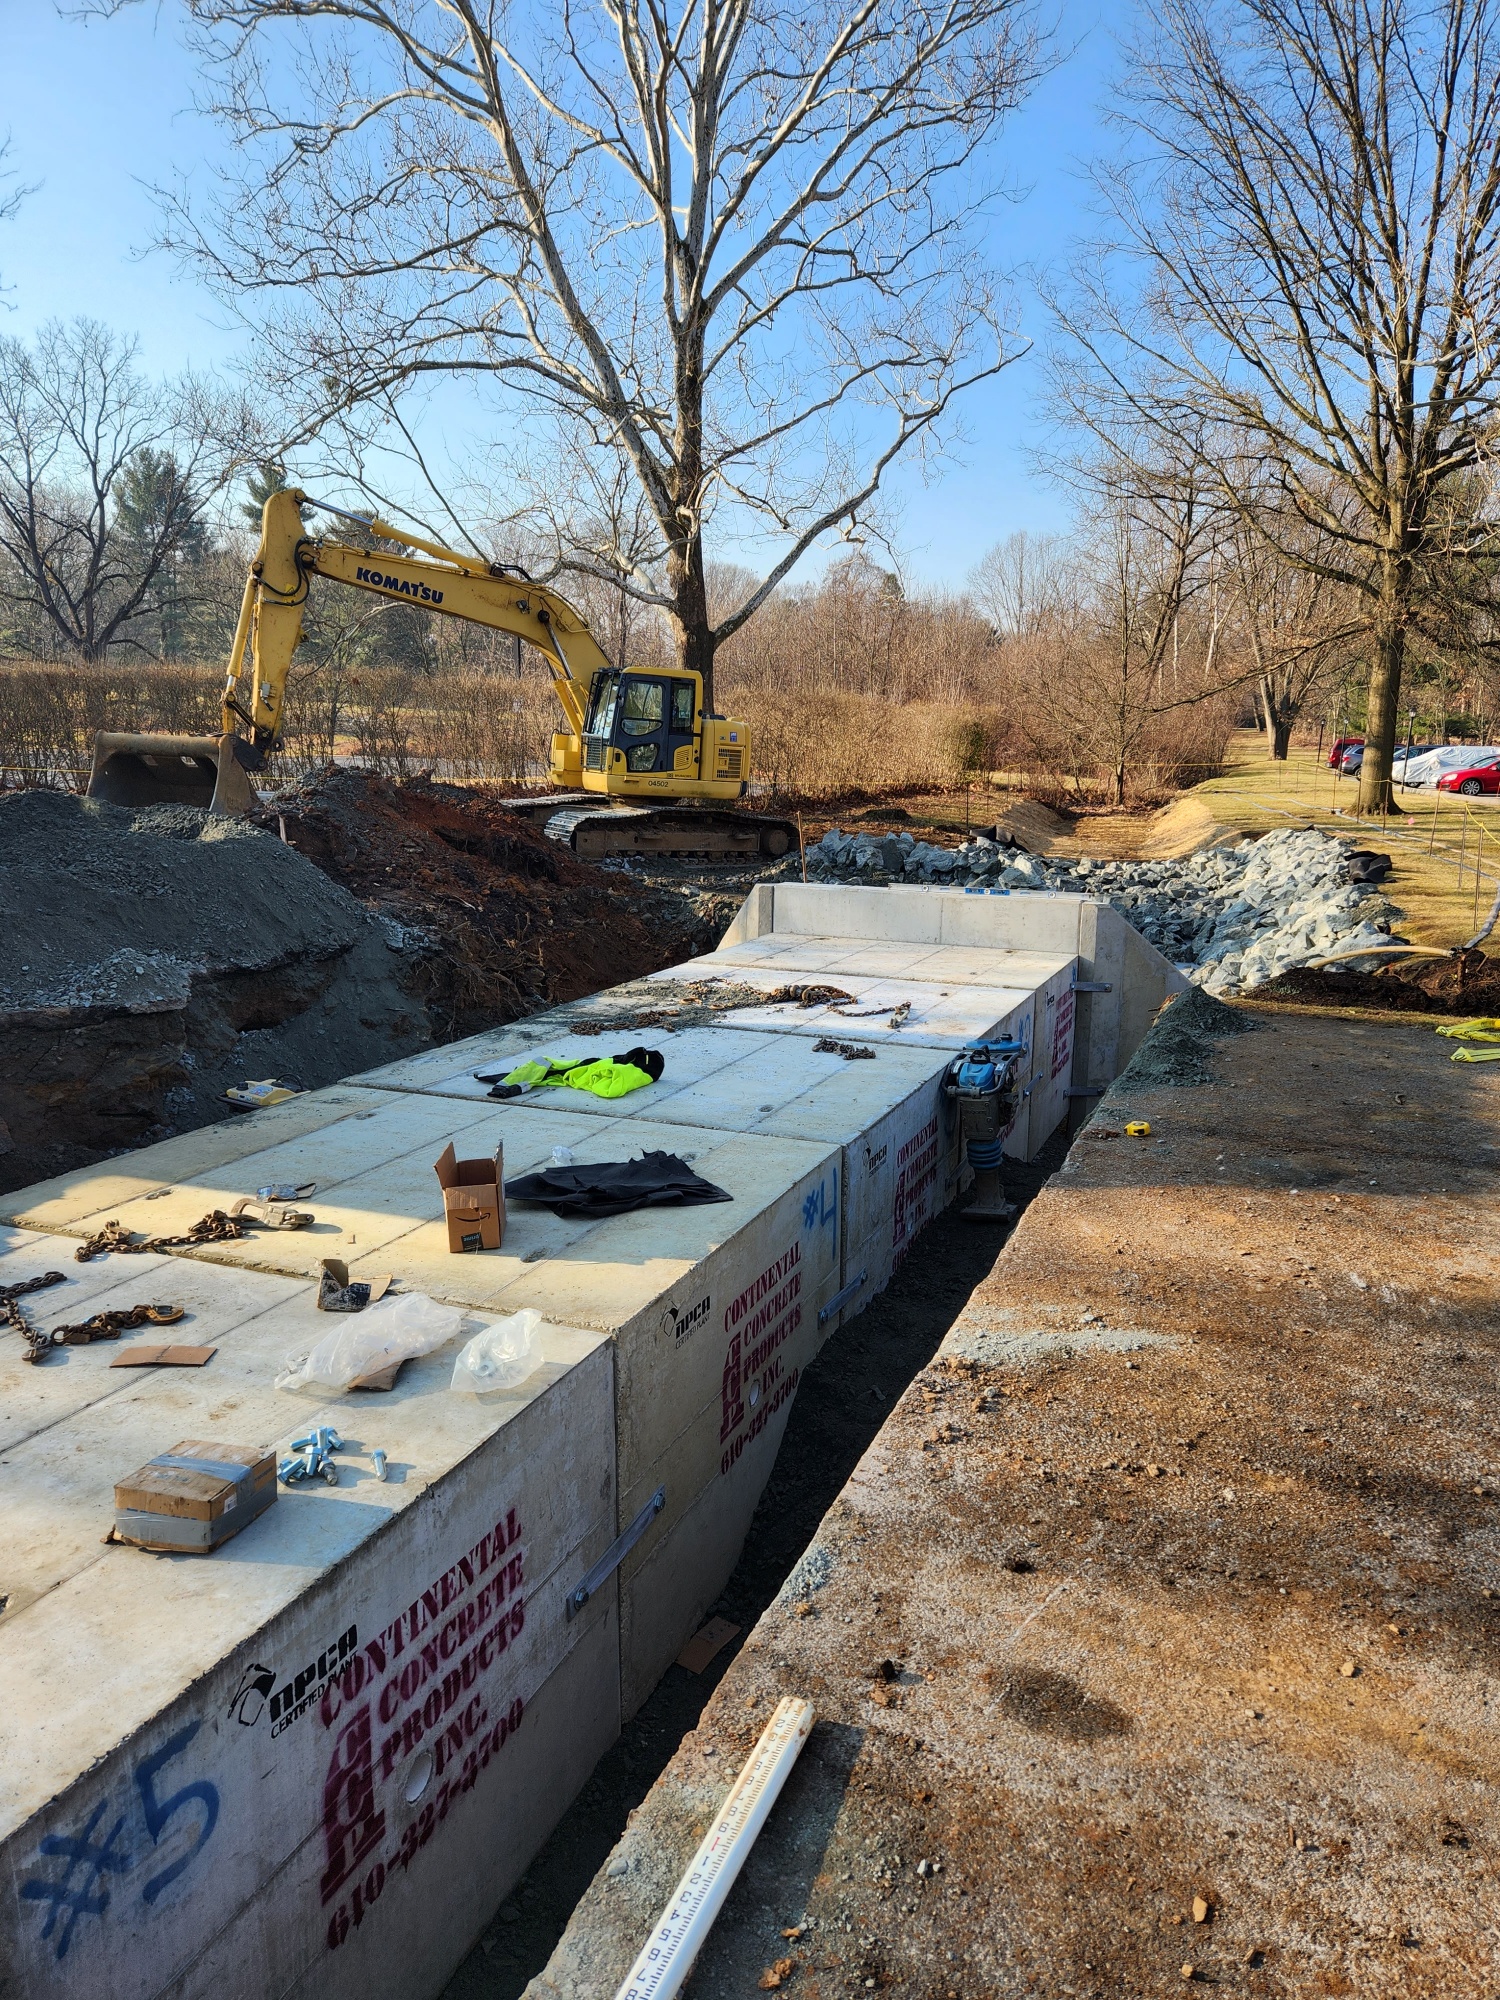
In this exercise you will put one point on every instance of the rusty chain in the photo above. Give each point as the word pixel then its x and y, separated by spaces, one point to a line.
pixel 36 1341
pixel 215 1227
pixel 103 1325
pixel 110 1325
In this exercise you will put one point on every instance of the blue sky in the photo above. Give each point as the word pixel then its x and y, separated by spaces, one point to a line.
pixel 98 111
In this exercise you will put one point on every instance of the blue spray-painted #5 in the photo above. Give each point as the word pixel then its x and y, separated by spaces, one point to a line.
pixel 132 1856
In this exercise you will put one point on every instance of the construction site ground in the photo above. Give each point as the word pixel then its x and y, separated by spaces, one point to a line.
pixel 1153 1641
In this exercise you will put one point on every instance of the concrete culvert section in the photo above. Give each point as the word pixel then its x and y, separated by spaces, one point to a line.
pixel 633 1462
pixel 1152 1641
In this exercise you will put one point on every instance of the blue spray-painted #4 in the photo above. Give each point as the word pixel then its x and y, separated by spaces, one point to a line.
pixel 140 1857
pixel 820 1205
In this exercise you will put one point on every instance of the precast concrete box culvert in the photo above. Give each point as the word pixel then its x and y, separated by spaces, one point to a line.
pixel 319 1758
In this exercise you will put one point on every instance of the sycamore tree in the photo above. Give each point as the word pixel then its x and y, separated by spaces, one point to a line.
pixel 734 248
pixel 1306 272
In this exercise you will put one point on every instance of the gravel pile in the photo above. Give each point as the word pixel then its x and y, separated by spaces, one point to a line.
pixel 1231 917
pixel 150 959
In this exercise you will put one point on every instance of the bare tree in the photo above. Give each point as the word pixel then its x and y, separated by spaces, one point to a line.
pixel 1314 208
pixel 1144 567
pixel 12 193
pixel 1017 582
pixel 102 478
pixel 1097 660
pixel 736 245
pixel 1298 626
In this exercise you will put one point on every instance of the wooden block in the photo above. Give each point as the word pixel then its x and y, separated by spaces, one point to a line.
pixel 163 1357
pixel 706 1644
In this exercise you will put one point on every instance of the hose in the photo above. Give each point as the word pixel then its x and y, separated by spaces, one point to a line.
pixel 1489 924
pixel 1364 950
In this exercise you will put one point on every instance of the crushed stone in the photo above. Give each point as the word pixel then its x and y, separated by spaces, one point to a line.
pixel 1177 1045
pixel 1233 917
pixel 151 958
pixel 106 908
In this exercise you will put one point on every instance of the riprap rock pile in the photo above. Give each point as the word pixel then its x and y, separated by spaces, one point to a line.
pixel 1232 916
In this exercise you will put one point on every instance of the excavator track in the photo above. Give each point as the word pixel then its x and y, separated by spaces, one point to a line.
pixel 670 831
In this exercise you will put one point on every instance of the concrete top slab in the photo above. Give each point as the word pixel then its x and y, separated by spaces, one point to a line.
pixel 97 1639
pixel 379 1206
pixel 932 964
pixel 59 1203
pixel 601 1274
pixel 1152 1643
pixel 936 1016
pixel 690 1057
pixel 729 1080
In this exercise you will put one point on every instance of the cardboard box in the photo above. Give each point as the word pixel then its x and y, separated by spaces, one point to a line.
pixel 473 1200
pixel 195 1496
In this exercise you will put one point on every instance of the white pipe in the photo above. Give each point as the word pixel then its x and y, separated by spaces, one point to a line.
pixel 680 1932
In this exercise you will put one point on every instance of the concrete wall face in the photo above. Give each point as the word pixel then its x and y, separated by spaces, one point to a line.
pixel 346 1791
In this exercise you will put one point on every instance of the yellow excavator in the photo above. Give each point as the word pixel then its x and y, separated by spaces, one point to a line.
pixel 636 736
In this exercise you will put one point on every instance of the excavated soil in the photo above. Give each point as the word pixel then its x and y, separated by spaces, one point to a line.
pixel 501 920
pixel 1468 983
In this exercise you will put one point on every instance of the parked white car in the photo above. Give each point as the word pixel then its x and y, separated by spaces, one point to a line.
pixel 1432 764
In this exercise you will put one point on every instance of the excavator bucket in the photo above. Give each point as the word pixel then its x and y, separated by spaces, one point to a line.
pixel 131 770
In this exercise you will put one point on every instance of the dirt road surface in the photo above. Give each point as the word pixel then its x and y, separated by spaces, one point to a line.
pixel 1153 1642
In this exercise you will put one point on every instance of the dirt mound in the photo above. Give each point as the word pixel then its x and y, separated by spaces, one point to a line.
pixel 1181 829
pixel 1177 1048
pixel 150 959
pixel 1037 827
pixel 1468 983
pixel 500 919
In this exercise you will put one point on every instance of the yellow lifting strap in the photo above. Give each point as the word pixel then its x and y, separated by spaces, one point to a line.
pixel 1482 1029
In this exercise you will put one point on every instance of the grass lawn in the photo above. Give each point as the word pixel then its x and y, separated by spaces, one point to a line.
pixel 1434 839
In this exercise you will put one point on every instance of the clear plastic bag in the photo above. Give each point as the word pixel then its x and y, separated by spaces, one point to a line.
pixel 500 1357
pixel 396 1328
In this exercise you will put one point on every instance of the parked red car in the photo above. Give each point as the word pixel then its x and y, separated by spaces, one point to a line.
pixel 1340 745
pixel 1479 779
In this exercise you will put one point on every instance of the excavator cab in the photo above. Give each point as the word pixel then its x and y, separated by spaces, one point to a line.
pixel 642 725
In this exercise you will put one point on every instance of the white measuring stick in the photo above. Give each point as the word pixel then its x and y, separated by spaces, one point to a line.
pixel 675 1943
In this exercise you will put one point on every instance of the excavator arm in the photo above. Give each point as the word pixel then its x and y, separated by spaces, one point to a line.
pixel 454 585
pixel 136 770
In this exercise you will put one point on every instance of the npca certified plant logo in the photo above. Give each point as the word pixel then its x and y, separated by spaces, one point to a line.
pixel 680 1324
pixel 254 1690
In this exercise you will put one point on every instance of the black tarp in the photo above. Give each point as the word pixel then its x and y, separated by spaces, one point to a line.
pixel 613 1187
